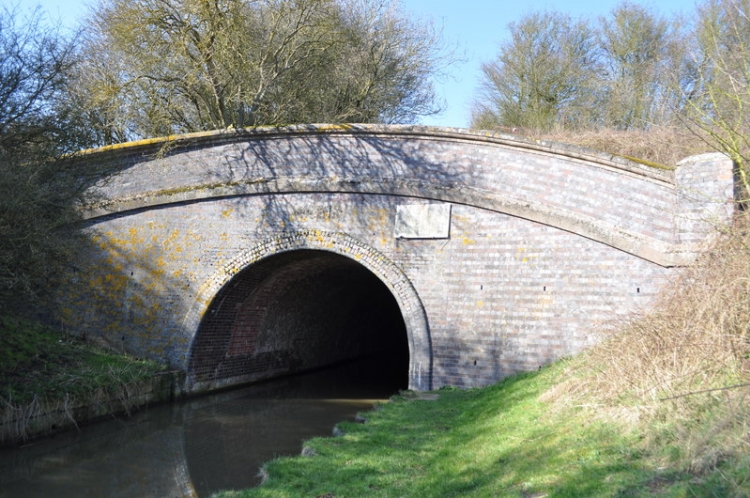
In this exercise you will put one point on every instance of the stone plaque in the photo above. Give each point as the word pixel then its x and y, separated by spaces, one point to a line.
pixel 423 221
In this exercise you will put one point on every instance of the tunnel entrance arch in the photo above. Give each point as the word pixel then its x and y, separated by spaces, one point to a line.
pixel 301 300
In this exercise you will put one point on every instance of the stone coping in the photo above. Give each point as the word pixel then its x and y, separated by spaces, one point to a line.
pixel 229 135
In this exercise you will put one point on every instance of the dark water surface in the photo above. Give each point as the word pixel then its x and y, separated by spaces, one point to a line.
pixel 196 447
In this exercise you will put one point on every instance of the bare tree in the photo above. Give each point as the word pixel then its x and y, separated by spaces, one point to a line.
pixel 35 118
pixel 34 64
pixel 560 73
pixel 542 77
pixel 717 97
pixel 157 67
pixel 384 67
pixel 639 51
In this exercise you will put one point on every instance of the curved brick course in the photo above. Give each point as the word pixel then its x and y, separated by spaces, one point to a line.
pixel 545 242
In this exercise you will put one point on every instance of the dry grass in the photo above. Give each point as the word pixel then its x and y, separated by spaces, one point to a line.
pixel 681 375
pixel 661 145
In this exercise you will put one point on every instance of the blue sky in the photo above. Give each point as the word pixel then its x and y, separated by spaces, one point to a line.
pixel 476 27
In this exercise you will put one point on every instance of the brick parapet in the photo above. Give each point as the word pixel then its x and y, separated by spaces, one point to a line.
pixel 608 199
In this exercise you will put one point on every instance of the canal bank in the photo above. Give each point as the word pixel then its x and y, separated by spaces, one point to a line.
pixel 21 423
pixel 195 446
pixel 50 382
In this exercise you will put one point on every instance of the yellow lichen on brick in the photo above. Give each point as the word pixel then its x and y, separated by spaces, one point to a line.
pixel 159 264
pixel 134 238
pixel 172 236
pixel 333 127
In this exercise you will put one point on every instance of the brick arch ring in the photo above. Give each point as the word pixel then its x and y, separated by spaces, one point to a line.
pixel 412 310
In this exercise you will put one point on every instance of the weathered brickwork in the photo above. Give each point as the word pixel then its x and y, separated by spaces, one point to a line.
pixel 549 245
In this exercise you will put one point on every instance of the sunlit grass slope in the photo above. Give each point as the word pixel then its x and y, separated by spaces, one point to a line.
pixel 497 441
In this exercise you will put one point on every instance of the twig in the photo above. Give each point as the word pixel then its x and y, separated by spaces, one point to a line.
pixel 68 412
pixel 706 391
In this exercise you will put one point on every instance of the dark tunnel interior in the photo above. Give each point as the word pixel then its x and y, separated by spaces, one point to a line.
pixel 298 311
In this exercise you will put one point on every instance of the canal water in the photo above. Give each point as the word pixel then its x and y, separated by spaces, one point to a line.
pixel 195 447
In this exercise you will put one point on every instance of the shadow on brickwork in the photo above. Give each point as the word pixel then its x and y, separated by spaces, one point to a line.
pixel 353 164
pixel 120 298
pixel 463 363
pixel 120 292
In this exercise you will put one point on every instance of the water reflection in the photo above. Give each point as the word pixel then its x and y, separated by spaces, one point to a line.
pixel 196 447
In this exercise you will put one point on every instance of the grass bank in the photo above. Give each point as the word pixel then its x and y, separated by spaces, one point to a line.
pixel 43 371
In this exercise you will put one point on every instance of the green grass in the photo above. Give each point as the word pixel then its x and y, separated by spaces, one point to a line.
pixel 37 362
pixel 500 441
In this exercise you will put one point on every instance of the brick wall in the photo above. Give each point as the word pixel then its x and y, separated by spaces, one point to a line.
pixel 549 246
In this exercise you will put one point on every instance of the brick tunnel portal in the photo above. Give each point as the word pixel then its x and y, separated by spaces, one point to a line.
pixel 297 311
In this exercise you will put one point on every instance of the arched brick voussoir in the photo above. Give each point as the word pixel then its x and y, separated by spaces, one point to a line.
pixel 415 318
pixel 643 246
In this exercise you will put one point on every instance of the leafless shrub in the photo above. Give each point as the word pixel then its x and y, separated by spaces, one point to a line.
pixel 698 339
